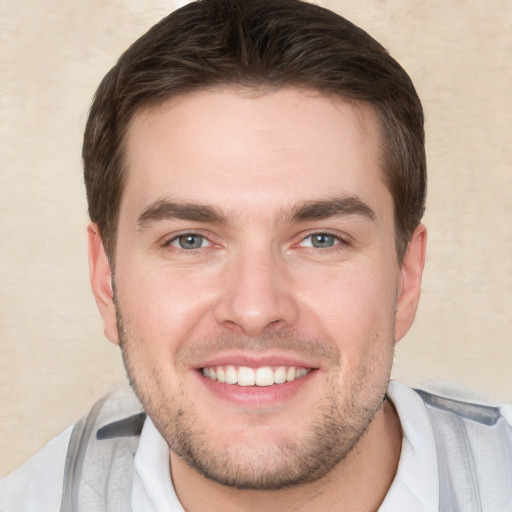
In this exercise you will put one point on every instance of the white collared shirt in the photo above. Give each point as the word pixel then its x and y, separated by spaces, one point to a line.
pixel 39 481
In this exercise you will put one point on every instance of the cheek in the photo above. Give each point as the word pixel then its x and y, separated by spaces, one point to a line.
pixel 159 306
pixel 354 303
pixel 354 309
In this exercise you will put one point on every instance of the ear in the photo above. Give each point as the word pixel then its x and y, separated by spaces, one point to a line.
pixel 411 273
pixel 101 282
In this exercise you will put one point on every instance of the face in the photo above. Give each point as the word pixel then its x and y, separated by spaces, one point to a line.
pixel 257 290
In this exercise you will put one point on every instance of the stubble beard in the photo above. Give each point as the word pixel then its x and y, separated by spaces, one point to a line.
pixel 336 426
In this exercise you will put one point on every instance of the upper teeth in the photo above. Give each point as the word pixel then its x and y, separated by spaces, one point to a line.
pixel 263 376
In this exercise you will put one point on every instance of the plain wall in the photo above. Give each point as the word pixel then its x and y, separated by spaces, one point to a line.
pixel 54 359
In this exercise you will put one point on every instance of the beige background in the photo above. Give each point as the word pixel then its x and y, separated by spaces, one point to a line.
pixel 54 360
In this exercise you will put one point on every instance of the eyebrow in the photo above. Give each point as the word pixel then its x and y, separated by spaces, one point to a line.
pixel 330 207
pixel 164 210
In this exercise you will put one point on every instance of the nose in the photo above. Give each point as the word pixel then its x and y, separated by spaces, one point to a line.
pixel 256 294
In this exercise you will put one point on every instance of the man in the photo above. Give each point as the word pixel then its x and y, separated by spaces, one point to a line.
pixel 256 178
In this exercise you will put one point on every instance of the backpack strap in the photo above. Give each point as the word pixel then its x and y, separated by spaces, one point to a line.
pixel 474 452
pixel 99 468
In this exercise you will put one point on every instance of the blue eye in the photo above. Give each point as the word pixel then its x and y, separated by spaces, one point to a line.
pixel 320 241
pixel 189 241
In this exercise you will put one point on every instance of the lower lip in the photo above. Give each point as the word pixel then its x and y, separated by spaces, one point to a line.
pixel 256 396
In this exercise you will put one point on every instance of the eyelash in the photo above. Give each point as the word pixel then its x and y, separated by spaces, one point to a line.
pixel 338 241
pixel 168 242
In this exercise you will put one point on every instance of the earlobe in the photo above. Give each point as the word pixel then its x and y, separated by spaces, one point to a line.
pixel 410 288
pixel 101 281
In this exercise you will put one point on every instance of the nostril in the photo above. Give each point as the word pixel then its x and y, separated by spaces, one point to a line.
pixel 252 302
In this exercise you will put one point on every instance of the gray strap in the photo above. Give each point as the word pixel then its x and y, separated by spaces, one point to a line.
pixel 71 462
pixel 77 449
pixel 99 465
pixel 474 451
pixel 458 483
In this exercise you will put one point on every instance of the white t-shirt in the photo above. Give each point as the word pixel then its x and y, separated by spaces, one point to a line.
pixel 37 485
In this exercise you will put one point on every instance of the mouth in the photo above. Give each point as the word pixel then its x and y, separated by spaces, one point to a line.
pixel 262 376
pixel 256 381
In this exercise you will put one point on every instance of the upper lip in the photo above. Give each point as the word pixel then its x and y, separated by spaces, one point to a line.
pixel 254 360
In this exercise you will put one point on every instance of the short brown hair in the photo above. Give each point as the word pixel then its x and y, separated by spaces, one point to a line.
pixel 256 43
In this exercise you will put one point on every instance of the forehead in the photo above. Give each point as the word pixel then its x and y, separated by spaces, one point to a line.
pixel 252 149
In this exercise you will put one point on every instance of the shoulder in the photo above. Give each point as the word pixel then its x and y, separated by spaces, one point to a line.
pixel 87 448
pixel 476 429
pixel 37 484
pixel 451 404
pixel 473 444
pixel 464 409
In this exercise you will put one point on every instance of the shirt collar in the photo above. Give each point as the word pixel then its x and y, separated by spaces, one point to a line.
pixel 415 487
pixel 152 482
pixel 416 484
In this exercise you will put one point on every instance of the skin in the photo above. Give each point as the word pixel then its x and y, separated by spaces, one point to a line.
pixel 264 172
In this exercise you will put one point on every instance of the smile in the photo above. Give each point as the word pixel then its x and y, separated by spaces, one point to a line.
pixel 263 376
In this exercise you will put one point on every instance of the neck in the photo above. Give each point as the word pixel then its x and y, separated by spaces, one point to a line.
pixel 358 483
